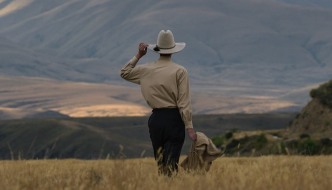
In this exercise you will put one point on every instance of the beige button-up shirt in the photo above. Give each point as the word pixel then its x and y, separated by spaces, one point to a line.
pixel 164 84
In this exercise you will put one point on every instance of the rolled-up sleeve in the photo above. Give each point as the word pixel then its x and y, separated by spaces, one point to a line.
pixel 184 99
pixel 131 73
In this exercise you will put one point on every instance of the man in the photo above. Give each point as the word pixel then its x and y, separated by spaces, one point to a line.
pixel 165 87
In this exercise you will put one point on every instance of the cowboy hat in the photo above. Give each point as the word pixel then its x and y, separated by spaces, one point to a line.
pixel 166 44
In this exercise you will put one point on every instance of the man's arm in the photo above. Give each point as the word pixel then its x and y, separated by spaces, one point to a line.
pixel 184 103
pixel 128 72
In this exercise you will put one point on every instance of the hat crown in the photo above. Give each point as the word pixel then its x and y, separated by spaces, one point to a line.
pixel 165 40
pixel 166 43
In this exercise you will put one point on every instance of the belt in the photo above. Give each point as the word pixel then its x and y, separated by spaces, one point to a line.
pixel 164 109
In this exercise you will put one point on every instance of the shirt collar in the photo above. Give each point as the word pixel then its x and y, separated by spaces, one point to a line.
pixel 164 58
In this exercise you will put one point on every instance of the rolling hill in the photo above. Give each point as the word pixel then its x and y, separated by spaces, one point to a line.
pixel 113 137
pixel 26 97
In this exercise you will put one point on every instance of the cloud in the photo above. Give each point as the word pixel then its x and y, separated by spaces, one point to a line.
pixel 14 6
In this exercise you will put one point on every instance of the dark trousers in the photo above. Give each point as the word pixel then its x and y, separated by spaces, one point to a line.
pixel 167 133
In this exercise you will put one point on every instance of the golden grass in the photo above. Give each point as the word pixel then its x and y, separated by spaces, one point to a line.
pixel 270 172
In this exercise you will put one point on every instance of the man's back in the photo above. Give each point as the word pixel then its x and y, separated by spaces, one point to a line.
pixel 160 82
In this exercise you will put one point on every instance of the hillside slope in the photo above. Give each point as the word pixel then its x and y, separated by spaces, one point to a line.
pixel 316 118
pixel 48 138
pixel 308 133
pixel 112 137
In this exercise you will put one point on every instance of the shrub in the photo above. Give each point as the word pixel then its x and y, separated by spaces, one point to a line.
pixel 293 144
pixel 304 135
pixel 309 147
pixel 233 144
pixel 228 135
pixel 323 93
pixel 260 141
pixel 326 141
pixel 279 148
pixel 218 141
pixel 276 134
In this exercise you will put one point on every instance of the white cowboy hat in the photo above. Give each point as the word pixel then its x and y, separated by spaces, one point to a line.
pixel 166 44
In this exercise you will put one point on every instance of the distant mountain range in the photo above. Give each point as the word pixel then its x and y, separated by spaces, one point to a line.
pixel 262 53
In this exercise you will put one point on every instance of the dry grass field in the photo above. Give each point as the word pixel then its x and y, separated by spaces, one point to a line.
pixel 270 172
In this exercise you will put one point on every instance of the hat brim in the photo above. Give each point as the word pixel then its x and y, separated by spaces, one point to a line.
pixel 178 47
